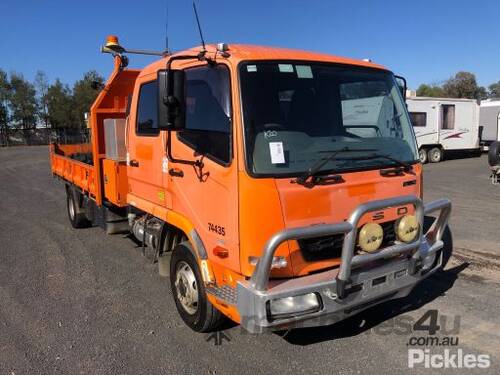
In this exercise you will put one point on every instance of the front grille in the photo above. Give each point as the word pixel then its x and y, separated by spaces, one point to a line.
pixel 321 248
pixel 389 234
pixel 330 247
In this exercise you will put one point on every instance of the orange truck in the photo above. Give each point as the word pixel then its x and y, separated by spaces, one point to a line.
pixel 277 188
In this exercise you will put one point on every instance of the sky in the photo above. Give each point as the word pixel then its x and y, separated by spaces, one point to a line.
pixel 426 41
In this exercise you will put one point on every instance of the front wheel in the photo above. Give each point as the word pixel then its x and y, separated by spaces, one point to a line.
pixel 435 155
pixel 189 292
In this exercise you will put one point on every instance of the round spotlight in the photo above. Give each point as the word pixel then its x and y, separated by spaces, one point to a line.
pixel 370 237
pixel 407 228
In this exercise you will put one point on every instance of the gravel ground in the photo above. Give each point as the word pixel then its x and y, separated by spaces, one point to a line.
pixel 81 302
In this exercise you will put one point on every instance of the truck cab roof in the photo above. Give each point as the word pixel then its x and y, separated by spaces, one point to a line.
pixel 245 52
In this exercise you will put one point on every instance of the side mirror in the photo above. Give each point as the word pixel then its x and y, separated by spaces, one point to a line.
pixel 401 81
pixel 171 99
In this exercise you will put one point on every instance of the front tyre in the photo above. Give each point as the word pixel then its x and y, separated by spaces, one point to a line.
pixel 189 292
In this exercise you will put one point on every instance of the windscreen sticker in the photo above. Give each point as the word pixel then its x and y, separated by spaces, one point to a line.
pixel 251 68
pixel 304 71
pixel 285 68
pixel 277 153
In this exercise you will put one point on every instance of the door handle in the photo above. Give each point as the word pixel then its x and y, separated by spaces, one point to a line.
pixel 133 163
pixel 175 172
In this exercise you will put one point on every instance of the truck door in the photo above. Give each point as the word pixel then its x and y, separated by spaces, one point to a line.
pixel 208 195
pixel 145 144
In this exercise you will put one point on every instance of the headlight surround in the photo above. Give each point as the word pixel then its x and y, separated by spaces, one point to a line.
pixel 407 228
pixel 370 237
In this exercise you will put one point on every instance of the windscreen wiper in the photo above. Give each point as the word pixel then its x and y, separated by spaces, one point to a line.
pixel 403 166
pixel 407 166
pixel 316 167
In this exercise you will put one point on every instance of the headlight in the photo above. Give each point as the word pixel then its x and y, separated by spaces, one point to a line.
pixel 292 306
pixel 407 228
pixel 370 237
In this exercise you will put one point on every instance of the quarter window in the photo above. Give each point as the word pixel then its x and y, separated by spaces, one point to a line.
pixel 147 109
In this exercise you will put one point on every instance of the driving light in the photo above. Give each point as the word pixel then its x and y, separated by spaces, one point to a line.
pixel 370 237
pixel 293 306
pixel 406 228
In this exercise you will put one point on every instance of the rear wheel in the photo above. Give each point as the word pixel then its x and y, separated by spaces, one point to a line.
pixel 189 292
pixel 76 218
pixel 422 155
pixel 435 155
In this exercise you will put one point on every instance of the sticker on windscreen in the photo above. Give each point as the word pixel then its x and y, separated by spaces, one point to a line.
pixel 285 68
pixel 277 153
pixel 304 71
pixel 251 68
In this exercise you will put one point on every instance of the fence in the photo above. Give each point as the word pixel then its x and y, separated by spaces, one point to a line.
pixel 42 136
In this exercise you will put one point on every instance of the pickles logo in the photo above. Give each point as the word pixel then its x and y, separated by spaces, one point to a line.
pixel 448 359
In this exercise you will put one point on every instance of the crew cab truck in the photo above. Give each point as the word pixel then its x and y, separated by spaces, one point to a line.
pixel 248 172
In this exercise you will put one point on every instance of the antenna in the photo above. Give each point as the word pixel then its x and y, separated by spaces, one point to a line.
pixel 199 27
pixel 166 26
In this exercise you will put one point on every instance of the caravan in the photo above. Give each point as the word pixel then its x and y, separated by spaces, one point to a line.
pixel 489 121
pixel 444 124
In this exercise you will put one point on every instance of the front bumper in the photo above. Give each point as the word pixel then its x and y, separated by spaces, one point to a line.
pixel 361 281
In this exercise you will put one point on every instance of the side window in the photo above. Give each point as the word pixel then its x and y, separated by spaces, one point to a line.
pixel 208 112
pixel 448 116
pixel 147 109
pixel 418 119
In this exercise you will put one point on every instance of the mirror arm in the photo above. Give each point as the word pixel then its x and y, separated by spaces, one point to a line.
pixel 197 163
pixel 168 100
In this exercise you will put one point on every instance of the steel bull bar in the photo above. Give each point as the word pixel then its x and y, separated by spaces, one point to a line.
pixel 337 289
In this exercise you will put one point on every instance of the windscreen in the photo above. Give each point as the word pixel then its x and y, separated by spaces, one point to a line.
pixel 298 113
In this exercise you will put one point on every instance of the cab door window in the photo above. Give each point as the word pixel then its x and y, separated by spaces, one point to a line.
pixel 147 109
pixel 208 113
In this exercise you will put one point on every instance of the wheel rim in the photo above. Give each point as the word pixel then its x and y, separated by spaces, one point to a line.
pixel 435 155
pixel 71 207
pixel 186 288
pixel 422 156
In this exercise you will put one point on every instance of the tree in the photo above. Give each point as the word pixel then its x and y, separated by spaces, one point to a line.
pixel 23 105
pixel 463 85
pixel 60 105
pixel 432 90
pixel 42 86
pixel 84 93
pixel 4 113
pixel 494 90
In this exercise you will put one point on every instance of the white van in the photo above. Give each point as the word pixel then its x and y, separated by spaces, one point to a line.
pixel 444 124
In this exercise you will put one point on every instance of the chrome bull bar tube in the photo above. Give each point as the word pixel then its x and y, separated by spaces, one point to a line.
pixel 260 277
pixel 433 236
pixel 346 264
